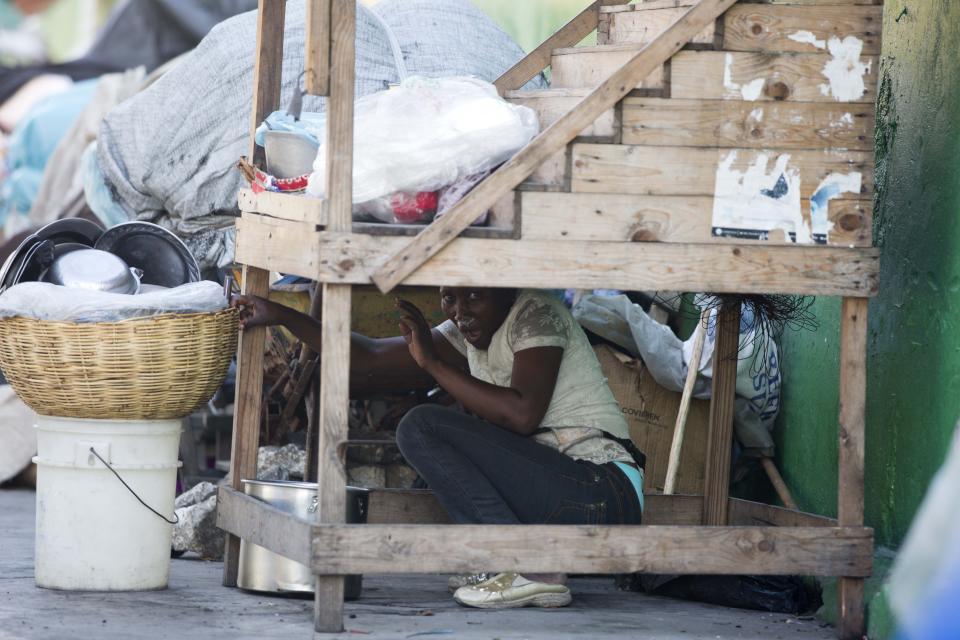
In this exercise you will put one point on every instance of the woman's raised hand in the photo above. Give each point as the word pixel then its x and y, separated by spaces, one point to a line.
pixel 416 331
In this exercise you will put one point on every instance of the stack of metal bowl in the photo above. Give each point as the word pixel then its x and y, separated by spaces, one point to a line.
pixel 130 258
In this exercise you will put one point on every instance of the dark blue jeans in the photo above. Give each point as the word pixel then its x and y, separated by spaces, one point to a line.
pixel 484 474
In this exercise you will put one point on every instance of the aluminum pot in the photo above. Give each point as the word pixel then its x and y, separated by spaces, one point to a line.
pixel 265 571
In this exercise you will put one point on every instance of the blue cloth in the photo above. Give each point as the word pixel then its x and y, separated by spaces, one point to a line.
pixel 636 479
pixel 33 142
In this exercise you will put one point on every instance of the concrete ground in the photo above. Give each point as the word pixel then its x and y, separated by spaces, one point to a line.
pixel 197 606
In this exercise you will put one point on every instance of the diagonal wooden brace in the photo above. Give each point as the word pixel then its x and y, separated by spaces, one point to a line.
pixel 435 237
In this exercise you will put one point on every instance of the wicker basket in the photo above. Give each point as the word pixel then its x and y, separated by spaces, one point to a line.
pixel 149 368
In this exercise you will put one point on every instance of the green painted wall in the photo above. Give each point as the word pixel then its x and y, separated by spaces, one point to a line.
pixel 913 389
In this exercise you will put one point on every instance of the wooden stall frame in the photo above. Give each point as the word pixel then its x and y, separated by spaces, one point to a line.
pixel 681 534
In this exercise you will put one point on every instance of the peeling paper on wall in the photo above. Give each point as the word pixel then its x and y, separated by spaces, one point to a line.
pixel 752 202
pixel 829 188
pixel 844 72
pixel 750 91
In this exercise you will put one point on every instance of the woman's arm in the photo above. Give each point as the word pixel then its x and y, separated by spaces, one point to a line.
pixel 376 365
pixel 519 407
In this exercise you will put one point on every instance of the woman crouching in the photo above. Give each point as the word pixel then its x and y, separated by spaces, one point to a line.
pixel 541 441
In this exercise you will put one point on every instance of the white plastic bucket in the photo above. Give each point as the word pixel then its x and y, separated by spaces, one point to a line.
pixel 92 533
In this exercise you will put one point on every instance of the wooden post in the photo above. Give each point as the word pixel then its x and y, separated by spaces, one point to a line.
pixel 317 59
pixel 717 476
pixel 853 386
pixel 249 386
pixel 335 341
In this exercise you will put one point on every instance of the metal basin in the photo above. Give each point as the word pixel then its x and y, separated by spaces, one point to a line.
pixel 93 270
pixel 263 570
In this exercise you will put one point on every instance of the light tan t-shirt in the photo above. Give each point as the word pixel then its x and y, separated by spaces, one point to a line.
pixel 582 406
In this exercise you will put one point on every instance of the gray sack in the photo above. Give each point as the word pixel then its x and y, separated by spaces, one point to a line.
pixel 168 154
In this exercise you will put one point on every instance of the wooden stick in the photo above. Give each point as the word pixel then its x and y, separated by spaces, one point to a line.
pixel 778 484
pixel 568 36
pixel 435 237
pixel 853 384
pixel 716 480
pixel 673 465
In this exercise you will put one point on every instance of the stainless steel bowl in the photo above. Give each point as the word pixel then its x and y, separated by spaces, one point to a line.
pixel 93 270
pixel 288 155
pixel 263 570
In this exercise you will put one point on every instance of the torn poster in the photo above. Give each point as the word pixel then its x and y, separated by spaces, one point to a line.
pixel 752 200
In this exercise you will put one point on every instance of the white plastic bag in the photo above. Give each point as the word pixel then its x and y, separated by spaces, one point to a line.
pixel 426 134
pixel 45 301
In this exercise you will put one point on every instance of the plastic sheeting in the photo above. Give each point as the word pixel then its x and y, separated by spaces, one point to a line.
pixel 624 323
pixel 45 301
pixel 168 155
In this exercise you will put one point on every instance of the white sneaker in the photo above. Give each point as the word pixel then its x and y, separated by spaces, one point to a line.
pixel 510 590
pixel 467 580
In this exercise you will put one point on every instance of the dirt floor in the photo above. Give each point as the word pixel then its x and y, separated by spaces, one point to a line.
pixel 197 606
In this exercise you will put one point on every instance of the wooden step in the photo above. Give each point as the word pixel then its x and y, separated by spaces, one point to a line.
pixel 752 27
pixel 692 171
pixel 584 67
pixel 615 217
pixel 550 105
pixel 797 77
pixel 753 193
pixel 736 123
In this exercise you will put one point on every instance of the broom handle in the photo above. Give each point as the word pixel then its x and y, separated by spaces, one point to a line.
pixel 673 465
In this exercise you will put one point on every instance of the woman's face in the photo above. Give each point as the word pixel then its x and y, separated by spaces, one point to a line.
pixel 478 313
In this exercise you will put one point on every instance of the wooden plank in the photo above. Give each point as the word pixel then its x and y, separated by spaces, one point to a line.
pixel 552 104
pixel 267 68
pixel 404 506
pixel 404 262
pixel 347 258
pixel 796 77
pixel 692 171
pixel 609 217
pixel 827 551
pixel 649 5
pixel 536 61
pixel 246 417
pixel 285 206
pixel 755 514
pixel 335 333
pixel 717 475
pixel 800 29
pixel 640 27
pixel 735 123
pixel 259 523
pixel 417 506
pixel 759 27
pixel 584 67
pixel 853 384
pixel 317 57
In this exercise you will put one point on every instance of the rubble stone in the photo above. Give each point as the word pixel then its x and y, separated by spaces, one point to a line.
pixel 400 476
pixel 196 529
pixel 290 458
pixel 367 476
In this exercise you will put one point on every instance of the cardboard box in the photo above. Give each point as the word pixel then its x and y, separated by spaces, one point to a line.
pixel 651 413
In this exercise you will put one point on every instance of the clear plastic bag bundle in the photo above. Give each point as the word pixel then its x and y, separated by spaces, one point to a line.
pixel 427 134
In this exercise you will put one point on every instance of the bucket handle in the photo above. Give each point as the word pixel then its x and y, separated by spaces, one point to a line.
pixel 165 518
